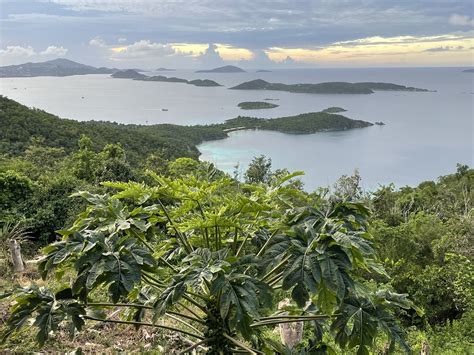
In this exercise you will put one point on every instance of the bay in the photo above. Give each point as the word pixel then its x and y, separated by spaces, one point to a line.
pixel 425 134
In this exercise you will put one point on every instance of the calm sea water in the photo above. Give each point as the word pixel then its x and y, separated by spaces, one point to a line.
pixel 425 134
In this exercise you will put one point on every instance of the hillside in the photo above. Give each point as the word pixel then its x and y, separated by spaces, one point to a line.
pixel 224 69
pixel 325 88
pixel 21 123
pixel 56 67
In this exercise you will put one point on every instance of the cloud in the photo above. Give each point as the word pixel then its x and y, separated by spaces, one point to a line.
pixel 211 57
pixel 142 49
pixel 17 51
pixel 122 40
pixel 97 42
pixel 444 49
pixel 19 54
pixel 461 20
pixel 450 49
pixel 54 51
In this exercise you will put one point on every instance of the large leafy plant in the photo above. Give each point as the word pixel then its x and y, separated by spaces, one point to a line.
pixel 215 257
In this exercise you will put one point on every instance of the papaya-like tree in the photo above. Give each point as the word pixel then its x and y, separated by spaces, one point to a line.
pixel 216 257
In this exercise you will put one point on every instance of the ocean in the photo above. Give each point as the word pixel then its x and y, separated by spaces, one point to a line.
pixel 425 134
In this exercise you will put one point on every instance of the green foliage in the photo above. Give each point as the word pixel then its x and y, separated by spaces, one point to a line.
pixel 425 237
pixel 259 170
pixel 222 248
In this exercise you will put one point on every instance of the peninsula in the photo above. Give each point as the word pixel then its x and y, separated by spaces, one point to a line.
pixel 21 123
pixel 133 74
pixel 256 105
pixel 224 69
pixel 56 67
pixel 325 88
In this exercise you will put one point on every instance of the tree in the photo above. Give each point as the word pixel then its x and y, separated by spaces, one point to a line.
pixel 216 259
pixel 259 170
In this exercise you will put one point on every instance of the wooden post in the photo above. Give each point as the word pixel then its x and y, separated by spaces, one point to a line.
pixel 15 252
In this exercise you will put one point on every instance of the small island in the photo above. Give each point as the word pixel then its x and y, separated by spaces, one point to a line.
pixel 334 110
pixel 256 105
pixel 264 71
pixel 165 69
pixel 325 88
pixel 468 70
pixel 133 74
pixel 128 74
pixel 224 69
pixel 380 123
pixel 164 79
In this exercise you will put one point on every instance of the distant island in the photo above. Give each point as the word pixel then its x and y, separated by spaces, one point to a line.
pixel 256 105
pixel 165 69
pixel 224 69
pixel 128 74
pixel 263 71
pixel 325 88
pixel 133 74
pixel 468 70
pixel 56 67
pixel 334 110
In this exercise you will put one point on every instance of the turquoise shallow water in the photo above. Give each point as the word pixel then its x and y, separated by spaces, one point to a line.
pixel 425 135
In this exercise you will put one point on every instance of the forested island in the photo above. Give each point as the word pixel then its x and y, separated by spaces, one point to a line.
pixel 55 67
pixel 325 88
pixel 256 105
pixel 135 228
pixel 224 69
pixel 133 74
pixel 334 110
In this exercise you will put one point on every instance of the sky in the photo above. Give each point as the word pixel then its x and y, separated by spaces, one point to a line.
pixel 249 33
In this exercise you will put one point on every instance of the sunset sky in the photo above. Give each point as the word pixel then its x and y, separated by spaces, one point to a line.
pixel 250 33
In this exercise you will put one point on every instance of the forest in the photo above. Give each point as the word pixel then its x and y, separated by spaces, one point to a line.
pixel 129 242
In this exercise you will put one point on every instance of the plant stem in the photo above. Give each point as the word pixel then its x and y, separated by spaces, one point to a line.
pixel 239 344
pixel 266 243
pixel 280 264
pixel 158 282
pixel 105 304
pixel 184 323
pixel 181 304
pixel 143 324
pixel 187 317
pixel 290 320
pixel 186 244
pixel 187 350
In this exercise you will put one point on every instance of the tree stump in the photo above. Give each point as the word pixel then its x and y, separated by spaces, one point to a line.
pixel 291 334
pixel 15 252
pixel 425 348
